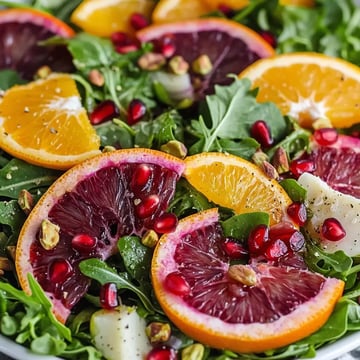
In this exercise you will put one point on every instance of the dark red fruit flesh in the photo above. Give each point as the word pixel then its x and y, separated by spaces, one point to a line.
pixel 102 207
pixel 227 54
pixel 108 296
pixel 20 50
pixel 332 230
pixel 339 168
pixel 201 260
pixel 162 353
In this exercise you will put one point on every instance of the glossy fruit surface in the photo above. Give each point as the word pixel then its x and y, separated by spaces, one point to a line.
pixel 309 86
pixel 338 164
pixel 64 139
pixel 20 31
pixel 230 46
pixel 243 308
pixel 104 17
pixel 96 199
pixel 236 184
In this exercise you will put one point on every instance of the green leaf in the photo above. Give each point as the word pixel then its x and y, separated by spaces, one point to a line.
pixel 228 115
pixel 294 189
pixel 48 345
pixel 18 175
pixel 240 226
pixel 100 271
pixel 11 215
pixel 9 78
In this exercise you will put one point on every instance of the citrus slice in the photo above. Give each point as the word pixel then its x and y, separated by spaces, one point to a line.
pixel 44 123
pixel 104 17
pixel 243 308
pixel 238 184
pixel 86 211
pixel 230 47
pixel 167 11
pixel 231 4
pixel 309 86
pixel 21 30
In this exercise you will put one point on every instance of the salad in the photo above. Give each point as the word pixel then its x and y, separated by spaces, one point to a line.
pixel 137 91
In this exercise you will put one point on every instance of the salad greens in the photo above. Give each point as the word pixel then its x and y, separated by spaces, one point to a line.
pixel 332 27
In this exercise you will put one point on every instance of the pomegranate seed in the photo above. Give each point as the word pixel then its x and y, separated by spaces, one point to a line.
pixel 120 38
pixel 234 249
pixel 276 249
pixel 261 132
pixel 138 21
pixel 147 206
pixel 257 238
pixel 226 10
pixel 296 241
pixel 83 242
pixel 162 354
pixel 124 49
pixel 59 270
pixel 326 136
pixel 177 284
pixel 108 296
pixel 283 231
pixel 166 223
pixel 300 166
pixel 136 111
pixel 297 213
pixel 105 111
pixel 269 37
pixel 142 175
pixel 332 230
pixel 166 45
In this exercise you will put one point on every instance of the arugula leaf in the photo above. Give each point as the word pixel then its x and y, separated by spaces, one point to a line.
pixel 226 118
pixel 98 270
pixel 17 175
pixel 9 78
pixel 293 189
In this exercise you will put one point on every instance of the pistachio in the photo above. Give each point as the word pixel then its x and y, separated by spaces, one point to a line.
pixel 43 72
pixel 259 157
pixel 280 160
pixel 202 65
pixel 5 264
pixel 150 238
pixel 25 201
pixel 243 274
pixel 269 170
pixel 96 77
pixel 158 332
pixel 151 61
pixel 175 148
pixel 193 352
pixel 49 234
pixel 321 123
pixel 178 65
pixel 108 148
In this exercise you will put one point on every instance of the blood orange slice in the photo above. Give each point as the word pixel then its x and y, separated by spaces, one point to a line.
pixel 230 46
pixel 338 164
pixel 20 32
pixel 244 308
pixel 84 213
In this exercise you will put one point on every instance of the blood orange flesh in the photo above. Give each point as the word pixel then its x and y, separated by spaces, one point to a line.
pixel 223 309
pixel 230 46
pixel 20 32
pixel 97 199
pixel 338 165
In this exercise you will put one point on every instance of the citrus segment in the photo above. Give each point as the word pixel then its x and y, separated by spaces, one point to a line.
pixel 44 123
pixel 230 47
pixel 104 17
pixel 97 200
pixel 309 86
pixel 238 184
pixel 243 308
pixel 176 10
pixel 231 4
pixel 21 30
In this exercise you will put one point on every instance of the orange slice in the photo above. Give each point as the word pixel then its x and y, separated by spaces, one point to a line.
pixel 45 124
pixel 95 200
pixel 235 183
pixel 232 4
pixel 104 17
pixel 309 87
pixel 243 308
pixel 176 10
